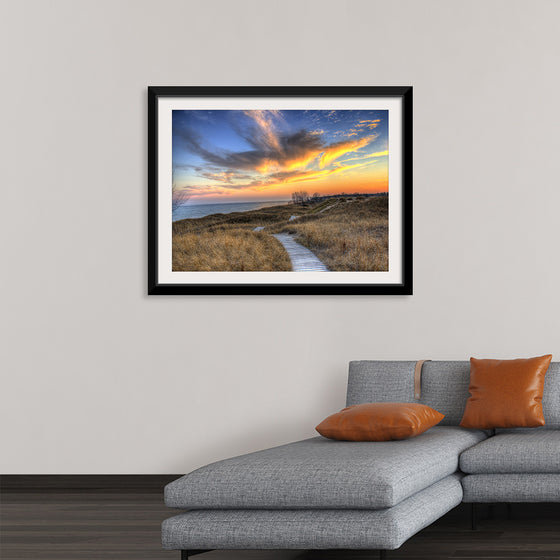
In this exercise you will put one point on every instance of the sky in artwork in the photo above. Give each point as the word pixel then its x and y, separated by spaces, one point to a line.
pixel 236 156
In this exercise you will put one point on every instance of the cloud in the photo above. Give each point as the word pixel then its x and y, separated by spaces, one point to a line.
pixel 263 183
pixel 224 176
pixel 272 150
pixel 262 135
pixel 283 177
pixel 379 154
pixel 276 155
pixel 202 190
pixel 338 149
pixel 369 123
pixel 368 156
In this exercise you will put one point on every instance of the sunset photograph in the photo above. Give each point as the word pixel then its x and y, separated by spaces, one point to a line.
pixel 272 190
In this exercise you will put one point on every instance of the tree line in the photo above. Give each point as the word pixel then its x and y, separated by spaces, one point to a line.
pixel 302 197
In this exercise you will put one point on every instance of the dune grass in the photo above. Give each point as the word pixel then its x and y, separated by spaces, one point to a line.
pixel 349 235
pixel 227 242
pixel 229 249
pixel 273 215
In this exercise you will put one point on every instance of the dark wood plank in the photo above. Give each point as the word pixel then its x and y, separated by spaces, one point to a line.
pixel 93 524
pixel 120 482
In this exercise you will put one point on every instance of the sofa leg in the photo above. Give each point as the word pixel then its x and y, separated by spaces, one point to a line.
pixel 473 517
pixel 508 509
pixel 186 554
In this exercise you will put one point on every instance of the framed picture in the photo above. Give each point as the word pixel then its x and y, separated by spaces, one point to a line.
pixel 280 190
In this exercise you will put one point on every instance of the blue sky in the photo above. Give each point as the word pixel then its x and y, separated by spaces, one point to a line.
pixel 230 156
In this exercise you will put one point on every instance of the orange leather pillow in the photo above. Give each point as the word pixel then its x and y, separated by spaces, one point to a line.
pixel 383 421
pixel 506 393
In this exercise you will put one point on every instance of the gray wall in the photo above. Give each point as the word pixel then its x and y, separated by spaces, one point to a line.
pixel 100 378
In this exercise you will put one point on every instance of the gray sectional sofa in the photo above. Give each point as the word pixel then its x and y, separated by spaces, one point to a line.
pixel 325 494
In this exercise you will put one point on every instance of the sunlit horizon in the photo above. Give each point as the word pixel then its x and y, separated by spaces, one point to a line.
pixel 257 156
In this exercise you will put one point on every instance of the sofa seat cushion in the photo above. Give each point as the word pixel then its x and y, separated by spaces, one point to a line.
pixel 492 488
pixel 319 473
pixel 312 529
pixel 523 451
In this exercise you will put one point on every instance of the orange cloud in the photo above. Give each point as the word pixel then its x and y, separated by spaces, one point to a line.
pixel 325 181
pixel 341 148
pixel 379 154
pixel 371 123
pixel 298 162
pixel 277 161
pixel 303 161
pixel 284 178
pixel 367 156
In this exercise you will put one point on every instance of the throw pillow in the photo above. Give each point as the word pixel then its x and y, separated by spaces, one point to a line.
pixel 506 393
pixel 382 421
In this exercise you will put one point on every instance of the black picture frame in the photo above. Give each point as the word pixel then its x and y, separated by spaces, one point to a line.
pixel 404 287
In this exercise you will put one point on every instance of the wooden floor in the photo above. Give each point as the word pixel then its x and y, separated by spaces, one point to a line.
pixel 93 524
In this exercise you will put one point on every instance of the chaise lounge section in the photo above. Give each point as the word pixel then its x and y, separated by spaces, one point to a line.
pixel 319 473
pixel 325 494
pixel 356 529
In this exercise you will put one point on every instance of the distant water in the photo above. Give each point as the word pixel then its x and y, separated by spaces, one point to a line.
pixel 201 210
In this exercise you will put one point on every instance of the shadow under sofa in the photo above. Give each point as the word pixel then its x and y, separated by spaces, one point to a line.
pixel 325 494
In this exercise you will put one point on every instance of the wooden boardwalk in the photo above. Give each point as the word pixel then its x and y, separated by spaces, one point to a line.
pixel 303 260
pixel 327 208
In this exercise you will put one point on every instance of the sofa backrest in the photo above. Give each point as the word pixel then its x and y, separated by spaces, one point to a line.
pixel 445 387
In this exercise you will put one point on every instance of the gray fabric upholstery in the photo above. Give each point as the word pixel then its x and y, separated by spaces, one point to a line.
pixel 444 387
pixel 322 473
pixel 321 494
pixel 376 381
pixel 312 529
pixel 511 488
pixel 551 396
pixel 531 451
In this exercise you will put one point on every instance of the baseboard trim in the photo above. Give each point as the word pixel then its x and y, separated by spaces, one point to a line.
pixel 122 482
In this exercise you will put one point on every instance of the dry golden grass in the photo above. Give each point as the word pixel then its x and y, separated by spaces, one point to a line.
pixel 352 236
pixel 228 249
pixel 347 236
pixel 251 219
